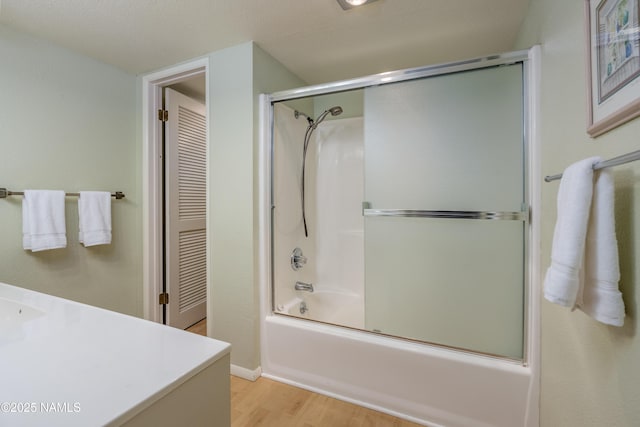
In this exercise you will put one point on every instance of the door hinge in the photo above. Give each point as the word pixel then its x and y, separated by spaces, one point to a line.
pixel 163 298
pixel 163 115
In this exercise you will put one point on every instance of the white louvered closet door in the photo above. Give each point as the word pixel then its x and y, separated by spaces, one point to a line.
pixel 185 210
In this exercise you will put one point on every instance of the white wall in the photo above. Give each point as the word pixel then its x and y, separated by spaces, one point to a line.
pixel 69 122
pixel 338 190
pixel 590 371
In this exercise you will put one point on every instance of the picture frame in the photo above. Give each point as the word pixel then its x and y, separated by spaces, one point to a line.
pixel 613 63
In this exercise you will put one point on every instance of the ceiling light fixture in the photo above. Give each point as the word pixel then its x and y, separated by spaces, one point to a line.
pixel 349 4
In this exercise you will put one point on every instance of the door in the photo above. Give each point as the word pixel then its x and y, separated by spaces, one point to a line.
pixel 185 210
pixel 446 222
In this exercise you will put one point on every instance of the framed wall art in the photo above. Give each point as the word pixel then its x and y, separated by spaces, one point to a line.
pixel 613 63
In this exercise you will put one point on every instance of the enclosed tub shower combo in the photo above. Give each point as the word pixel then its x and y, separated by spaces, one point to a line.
pixel 396 219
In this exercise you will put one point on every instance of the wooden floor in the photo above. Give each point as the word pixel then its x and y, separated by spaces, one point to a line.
pixel 273 404
pixel 199 328
pixel 268 403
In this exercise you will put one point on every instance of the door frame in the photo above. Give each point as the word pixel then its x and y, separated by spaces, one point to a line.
pixel 152 168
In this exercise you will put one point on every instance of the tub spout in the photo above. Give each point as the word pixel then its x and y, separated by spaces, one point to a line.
pixel 301 286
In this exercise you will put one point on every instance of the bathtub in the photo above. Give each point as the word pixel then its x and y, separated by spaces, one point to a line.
pixel 63 363
pixel 425 384
pixel 328 306
pixel 429 385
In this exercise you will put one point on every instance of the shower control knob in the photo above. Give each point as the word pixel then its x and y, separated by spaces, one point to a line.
pixel 298 260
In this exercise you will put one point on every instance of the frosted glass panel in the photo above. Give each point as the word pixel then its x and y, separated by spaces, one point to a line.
pixel 452 282
pixel 451 142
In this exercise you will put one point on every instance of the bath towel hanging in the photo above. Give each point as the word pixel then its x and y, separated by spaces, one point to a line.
pixel 600 297
pixel 43 220
pixel 584 270
pixel 94 218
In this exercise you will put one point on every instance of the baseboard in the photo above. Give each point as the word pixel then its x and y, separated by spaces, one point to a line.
pixel 245 373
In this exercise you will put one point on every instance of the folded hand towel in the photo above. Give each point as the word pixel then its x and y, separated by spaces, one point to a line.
pixel 43 222
pixel 94 217
pixel 562 281
pixel 600 297
pixel 584 270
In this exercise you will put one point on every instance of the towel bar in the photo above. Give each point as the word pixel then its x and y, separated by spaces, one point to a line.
pixel 4 193
pixel 620 160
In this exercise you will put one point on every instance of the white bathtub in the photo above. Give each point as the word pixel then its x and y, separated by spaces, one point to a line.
pixel 68 364
pixel 329 306
pixel 428 385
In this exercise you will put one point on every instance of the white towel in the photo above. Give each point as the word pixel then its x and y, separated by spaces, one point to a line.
pixel 94 218
pixel 43 222
pixel 573 254
pixel 562 281
pixel 600 297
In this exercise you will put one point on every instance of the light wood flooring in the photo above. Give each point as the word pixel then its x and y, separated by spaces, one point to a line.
pixel 268 403
pixel 199 328
pixel 273 404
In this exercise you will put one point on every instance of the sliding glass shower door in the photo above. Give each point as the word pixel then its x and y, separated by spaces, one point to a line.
pixel 416 202
pixel 445 212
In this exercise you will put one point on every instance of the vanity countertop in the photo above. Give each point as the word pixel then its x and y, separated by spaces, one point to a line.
pixel 64 363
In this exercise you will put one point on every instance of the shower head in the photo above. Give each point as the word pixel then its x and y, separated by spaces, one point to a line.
pixel 335 111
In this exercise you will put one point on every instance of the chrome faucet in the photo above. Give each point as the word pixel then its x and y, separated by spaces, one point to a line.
pixel 301 286
pixel 297 259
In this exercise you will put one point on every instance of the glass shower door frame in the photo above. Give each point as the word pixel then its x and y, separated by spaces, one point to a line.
pixel 418 73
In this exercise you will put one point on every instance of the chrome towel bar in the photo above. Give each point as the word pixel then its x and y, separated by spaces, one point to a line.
pixel 620 160
pixel 4 193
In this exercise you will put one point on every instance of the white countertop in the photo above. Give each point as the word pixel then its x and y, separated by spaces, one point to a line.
pixel 77 365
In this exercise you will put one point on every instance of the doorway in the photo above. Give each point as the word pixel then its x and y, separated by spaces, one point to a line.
pixel 175 186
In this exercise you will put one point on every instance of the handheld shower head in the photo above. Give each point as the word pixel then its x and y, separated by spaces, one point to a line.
pixel 335 111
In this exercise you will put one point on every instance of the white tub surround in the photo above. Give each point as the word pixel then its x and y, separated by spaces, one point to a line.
pixel 63 363
pixel 335 307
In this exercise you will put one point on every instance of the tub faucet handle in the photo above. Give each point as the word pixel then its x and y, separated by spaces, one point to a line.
pixel 298 260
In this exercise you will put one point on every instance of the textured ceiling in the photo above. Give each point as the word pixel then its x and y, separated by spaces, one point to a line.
pixel 315 39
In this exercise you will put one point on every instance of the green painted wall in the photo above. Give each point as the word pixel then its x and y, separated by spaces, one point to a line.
pixel 590 371
pixel 69 122
pixel 230 224
pixel 237 76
